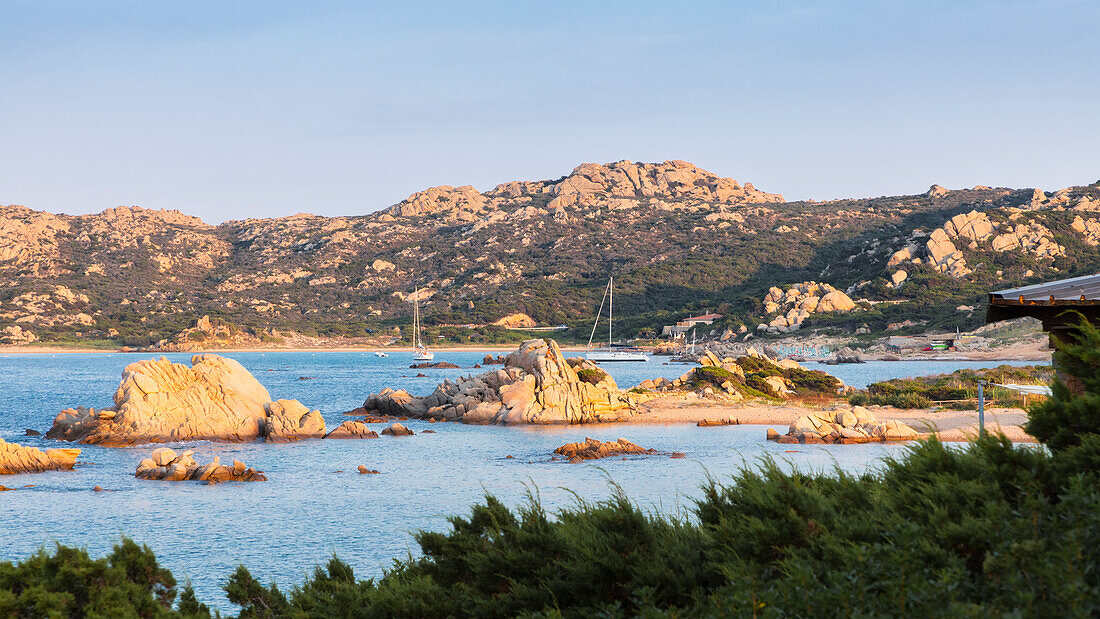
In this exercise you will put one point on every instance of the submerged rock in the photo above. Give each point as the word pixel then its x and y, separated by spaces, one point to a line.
pixel 215 399
pixel 728 421
pixel 15 458
pixel 593 449
pixel 438 365
pixel 352 429
pixel 397 430
pixel 164 464
pixel 536 385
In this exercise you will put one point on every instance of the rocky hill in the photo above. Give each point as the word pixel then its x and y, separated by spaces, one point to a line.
pixel 678 239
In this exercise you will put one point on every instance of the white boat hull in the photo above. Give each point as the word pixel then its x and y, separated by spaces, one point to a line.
pixel 604 356
pixel 423 356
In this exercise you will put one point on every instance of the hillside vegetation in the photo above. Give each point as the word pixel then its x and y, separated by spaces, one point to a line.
pixel 678 240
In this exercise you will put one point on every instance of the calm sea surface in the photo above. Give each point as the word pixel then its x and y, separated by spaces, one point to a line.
pixel 316 503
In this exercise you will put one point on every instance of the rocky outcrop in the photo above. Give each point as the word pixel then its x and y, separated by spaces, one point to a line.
pixel 748 376
pixel 799 301
pixel 536 385
pixel 438 365
pixel 516 321
pixel 593 449
pixel 215 399
pixel 616 186
pixel 943 256
pixel 165 465
pixel 973 225
pixel 458 204
pixel 844 425
pixel 290 420
pixel 936 191
pixel 677 179
pixel 1089 228
pixel 16 458
pixel 352 429
pixel 844 355
pixel 975 230
pixel 212 334
pixel 14 334
pixel 1034 238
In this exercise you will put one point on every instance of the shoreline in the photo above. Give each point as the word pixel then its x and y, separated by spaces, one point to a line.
pixel 947 425
pixel 37 350
pixel 1041 358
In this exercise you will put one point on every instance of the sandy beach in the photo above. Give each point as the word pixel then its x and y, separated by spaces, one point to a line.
pixel 952 426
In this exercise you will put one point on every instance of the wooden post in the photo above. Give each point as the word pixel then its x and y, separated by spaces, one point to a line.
pixel 981 407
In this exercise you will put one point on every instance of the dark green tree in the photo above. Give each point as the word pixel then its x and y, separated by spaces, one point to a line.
pixel 68 583
pixel 1063 420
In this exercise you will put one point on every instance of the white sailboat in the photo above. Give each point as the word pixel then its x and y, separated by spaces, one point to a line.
pixel 420 352
pixel 613 352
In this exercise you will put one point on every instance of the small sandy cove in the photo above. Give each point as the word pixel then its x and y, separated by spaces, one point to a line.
pixel 955 426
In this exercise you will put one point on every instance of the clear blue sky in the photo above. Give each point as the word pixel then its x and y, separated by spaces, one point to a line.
pixel 232 109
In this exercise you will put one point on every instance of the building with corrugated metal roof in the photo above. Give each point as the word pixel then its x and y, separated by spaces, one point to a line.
pixel 1054 303
pixel 1058 304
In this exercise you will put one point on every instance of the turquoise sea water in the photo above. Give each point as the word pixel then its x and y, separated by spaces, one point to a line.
pixel 315 502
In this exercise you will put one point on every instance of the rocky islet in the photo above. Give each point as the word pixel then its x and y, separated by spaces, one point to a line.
pixel 16 458
pixel 165 464
pixel 537 385
pixel 215 398
pixel 843 425
pixel 594 449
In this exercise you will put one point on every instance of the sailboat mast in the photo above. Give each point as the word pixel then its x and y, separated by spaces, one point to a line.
pixel 598 314
pixel 610 308
pixel 416 318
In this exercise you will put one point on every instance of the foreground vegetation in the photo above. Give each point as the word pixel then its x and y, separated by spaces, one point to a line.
pixel 988 529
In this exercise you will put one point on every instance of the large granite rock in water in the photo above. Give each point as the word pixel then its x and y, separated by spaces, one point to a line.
pixel 536 385
pixel 15 458
pixel 215 399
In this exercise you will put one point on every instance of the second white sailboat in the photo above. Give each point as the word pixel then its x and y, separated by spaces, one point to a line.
pixel 614 352
pixel 420 352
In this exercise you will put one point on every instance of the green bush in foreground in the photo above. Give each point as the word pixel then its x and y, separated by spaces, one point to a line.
pixel 1064 420
pixel 987 529
pixel 69 583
